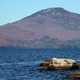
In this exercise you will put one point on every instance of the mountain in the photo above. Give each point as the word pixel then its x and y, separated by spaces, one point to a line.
pixel 51 28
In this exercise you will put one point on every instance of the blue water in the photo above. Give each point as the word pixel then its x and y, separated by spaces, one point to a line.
pixel 22 63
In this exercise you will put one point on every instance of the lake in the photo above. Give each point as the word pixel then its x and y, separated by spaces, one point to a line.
pixel 22 63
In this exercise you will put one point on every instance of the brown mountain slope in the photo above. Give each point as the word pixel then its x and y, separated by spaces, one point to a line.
pixel 52 27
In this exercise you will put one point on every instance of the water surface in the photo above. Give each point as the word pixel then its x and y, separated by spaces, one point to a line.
pixel 22 63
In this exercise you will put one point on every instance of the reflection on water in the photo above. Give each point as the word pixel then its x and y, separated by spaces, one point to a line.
pixel 22 64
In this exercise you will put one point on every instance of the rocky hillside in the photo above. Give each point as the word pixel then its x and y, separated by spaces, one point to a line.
pixel 48 28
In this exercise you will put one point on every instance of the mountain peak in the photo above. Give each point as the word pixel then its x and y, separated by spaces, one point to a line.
pixel 58 11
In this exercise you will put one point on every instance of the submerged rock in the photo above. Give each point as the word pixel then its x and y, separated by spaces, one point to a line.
pixel 75 76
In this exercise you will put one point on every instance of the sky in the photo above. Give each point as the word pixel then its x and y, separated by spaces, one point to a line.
pixel 13 10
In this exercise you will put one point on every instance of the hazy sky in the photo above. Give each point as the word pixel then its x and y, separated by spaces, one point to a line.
pixel 12 10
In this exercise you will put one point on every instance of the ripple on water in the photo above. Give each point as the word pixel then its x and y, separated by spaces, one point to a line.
pixel 24 65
